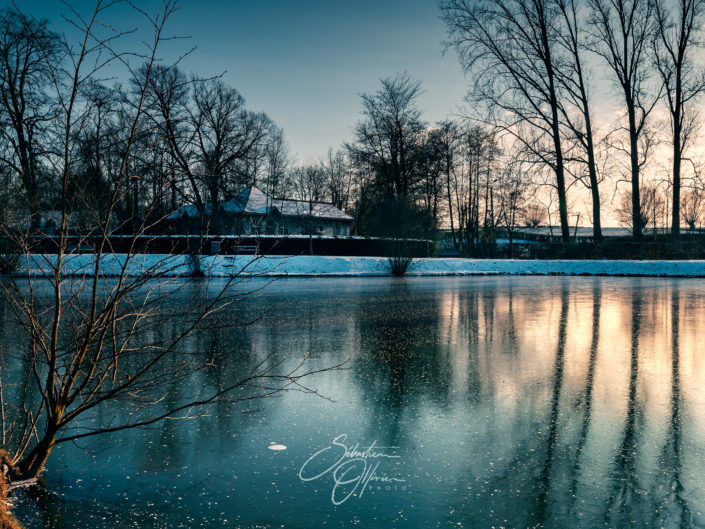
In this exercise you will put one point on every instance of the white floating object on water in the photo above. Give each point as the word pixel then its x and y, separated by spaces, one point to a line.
pixel 276 447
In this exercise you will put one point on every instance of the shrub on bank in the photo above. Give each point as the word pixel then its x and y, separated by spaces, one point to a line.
pixel 399 265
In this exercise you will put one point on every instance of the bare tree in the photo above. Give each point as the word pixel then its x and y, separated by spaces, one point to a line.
pixel 278 164
pixel 432 178
pixel 226 134
pixel 534 215
pixel 693 208
pixel 573 79
pixel 514 190
pixel 622 32
pixel 213 141
pixel 466 156
pixel 448 141
pixel 652 208
pixel 339 178
pixel 27 47
pixel 90 341
pixel 98 144
pixel 389 154
pixel 309 183
pixel 388 137
pixel 168 108
pixel 479 148
pixel 678 38
pixel 509 46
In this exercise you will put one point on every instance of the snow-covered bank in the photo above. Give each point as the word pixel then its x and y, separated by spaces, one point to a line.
pixel 305 265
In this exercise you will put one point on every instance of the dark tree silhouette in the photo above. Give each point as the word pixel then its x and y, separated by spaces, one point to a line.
pixel 678 39
pixel 509 46
pixel 622 32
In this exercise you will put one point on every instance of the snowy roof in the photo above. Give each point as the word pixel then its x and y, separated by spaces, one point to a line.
pixel 253 201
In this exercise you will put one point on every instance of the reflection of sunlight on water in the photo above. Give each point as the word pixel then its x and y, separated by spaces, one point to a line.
pixel 509 400
pixel 513 337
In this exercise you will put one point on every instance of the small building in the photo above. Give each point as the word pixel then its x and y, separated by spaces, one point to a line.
pixel 253 212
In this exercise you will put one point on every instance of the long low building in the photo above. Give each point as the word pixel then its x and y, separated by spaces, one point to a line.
pixel 253 212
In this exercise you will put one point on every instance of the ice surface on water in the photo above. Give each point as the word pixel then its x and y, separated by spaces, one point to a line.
pixel 515 402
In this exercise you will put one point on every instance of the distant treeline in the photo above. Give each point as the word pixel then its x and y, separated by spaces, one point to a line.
pixel 530 152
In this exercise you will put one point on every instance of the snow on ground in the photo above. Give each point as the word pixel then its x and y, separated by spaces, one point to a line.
pixel 305 265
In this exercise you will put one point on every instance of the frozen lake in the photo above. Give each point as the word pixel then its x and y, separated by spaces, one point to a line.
pixel 488 402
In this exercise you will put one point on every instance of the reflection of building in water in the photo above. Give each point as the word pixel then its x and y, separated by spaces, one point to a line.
pixel 253 212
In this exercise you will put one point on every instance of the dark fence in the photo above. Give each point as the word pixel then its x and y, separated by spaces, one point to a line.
pixel 622 249
pixel 688 248
pixel 234 245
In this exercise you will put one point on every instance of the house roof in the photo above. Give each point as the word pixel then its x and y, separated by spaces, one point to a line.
pixel 253 201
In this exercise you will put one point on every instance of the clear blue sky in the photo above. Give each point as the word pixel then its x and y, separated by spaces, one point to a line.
pixel 305 62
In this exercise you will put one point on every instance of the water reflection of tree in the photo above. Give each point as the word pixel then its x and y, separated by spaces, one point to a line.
pixel 400 362
pixel 625 501
pixel 589 387
pixel 511 324
pixel 517 491
pixel 672 506
pixel 467 336
pixel 544 481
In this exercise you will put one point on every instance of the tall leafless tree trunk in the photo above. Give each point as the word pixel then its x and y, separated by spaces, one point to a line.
pixel 509 46
pixel 573 79
pixel 678 38
pixel 622 31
